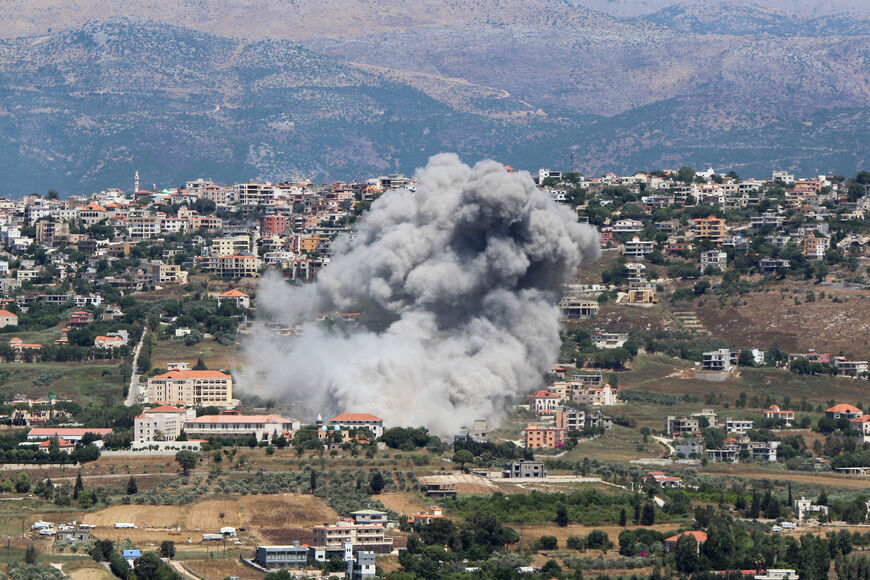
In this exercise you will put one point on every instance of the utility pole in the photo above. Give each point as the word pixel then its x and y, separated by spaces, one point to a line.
pixel 572 162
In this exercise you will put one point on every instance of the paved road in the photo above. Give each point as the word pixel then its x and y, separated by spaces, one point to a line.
pixel 133 391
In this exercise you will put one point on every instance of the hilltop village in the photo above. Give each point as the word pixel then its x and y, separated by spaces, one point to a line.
pixel 705 415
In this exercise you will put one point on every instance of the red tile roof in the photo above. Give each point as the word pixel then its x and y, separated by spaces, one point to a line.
pixel 165 409
pixel 66 431
pixel 354 417
pixel 239 419
pixel 700 537
pixel 234 294
pixel 193 375
pixel 843 408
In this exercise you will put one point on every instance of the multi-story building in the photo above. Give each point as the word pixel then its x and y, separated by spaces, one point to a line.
pixel 638 248
pixel 814 247
pixel 368 537
pixel 525 469
pixel 272 557
pixel 681 425
pixel 717 360
pixel 851 368
pixel 230 245
pixel 709 228
pixel 163 423
pixel 165 273
pixel 234 425
pixel 861 425
pixel 578 308
pixel 273 225
pixel 8 318
pixel 543 402
pixel 359 421
pixel 537 437
pixel 193 388
pixel 570 419
pixel 232 266
pixel 714 258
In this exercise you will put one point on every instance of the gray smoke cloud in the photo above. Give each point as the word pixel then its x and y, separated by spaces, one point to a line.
pixel 458 283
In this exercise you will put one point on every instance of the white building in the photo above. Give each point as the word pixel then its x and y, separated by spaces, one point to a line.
pixel 715 258
pixel 162 423
pixel 234 425
pixel 359 421
pixel 193 388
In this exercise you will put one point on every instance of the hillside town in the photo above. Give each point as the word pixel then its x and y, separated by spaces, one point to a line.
pixel 122 323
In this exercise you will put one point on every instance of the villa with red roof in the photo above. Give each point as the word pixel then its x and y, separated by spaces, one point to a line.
pixel 671 543
pixel 777 414
pixel 359 421
pixel 8 318
pixel 843 411
pixel 234 425
pixel 425 518
pixel 237 297
pixel 70 434
pixel 193 388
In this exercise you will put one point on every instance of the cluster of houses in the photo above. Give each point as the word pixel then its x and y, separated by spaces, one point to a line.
pixel 556 419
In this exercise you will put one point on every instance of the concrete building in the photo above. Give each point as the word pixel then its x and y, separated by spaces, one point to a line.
pixel 740 426
pixel 851 368
pixel 234 425
pixel 843 411
pixel 637 248
pixel 236 297
pixel 578 308
pixel 777 414
pixel 570 419
pixel 709 228
pixel 193 388
pixel 804 507
pixel 163 423
pixel 678 426
pixel 359 421
pixel 524 469
pixel 715 258
pixel 538 437
pixel 717 360
pixel 367 537
pixel 543 402
pixel 279 557
pixel 8 318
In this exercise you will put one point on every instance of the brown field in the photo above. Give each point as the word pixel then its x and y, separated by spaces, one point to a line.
pixel 403 503
pixel 761 317
pixel 221 568
pixel 214 354
pixel 256 514
pixel 87 571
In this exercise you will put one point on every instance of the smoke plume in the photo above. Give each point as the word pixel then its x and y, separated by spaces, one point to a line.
pixel 458 284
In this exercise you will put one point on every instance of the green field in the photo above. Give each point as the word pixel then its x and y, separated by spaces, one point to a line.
pixel 98 381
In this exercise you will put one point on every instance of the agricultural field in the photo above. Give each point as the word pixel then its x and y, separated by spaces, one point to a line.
pixel 97 381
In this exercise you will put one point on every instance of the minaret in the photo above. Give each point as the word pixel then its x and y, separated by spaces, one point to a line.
pixel 136 183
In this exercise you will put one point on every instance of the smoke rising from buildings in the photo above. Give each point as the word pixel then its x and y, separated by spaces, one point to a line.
pixel 458 284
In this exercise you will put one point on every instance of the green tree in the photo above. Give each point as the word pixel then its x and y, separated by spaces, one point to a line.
pixel 30 555
pixel 200 364
pixel 462 457
pixel 79 486
pixel 187 460
pixel 376 483
pixel 648 516
pixel 132 488
pixel 562 516
pixel 167 549
pixel 686 554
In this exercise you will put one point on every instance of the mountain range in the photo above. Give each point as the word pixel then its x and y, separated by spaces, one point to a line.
pixel 232 89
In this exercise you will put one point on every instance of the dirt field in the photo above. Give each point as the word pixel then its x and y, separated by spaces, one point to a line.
pixel 256 514
pixel 403 503
pixel 91 571
pixel 759 318
pixel 221 568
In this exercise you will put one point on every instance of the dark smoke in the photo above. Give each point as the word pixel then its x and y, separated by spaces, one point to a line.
pixel 459 282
